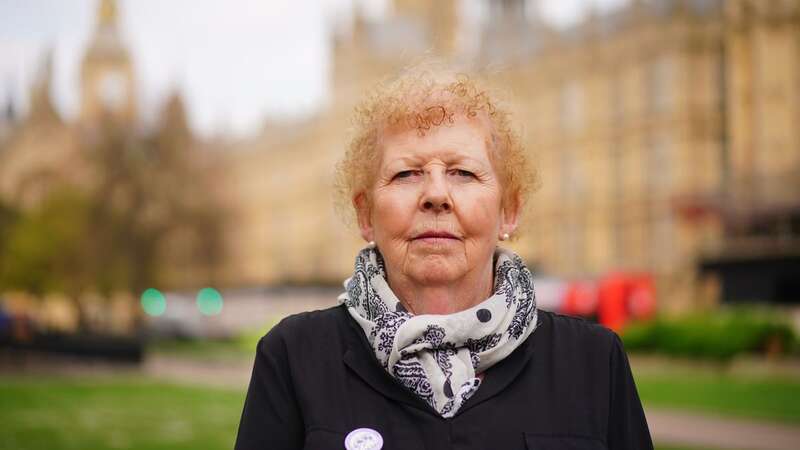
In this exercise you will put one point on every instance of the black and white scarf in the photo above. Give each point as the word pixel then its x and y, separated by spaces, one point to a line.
pixel 438 356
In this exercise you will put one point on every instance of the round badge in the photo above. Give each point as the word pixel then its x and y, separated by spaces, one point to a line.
pixel 363 439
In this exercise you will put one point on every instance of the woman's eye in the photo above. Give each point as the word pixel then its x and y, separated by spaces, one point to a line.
pixel 464 173
pixel 405 173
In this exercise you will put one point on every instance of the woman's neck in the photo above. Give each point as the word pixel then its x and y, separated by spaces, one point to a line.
pixel 444 298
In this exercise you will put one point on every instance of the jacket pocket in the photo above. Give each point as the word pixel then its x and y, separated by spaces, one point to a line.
pixel 543 442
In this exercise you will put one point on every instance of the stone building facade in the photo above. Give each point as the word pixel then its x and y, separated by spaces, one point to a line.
pixel 663 132
pixel 42 150
pixel 650 126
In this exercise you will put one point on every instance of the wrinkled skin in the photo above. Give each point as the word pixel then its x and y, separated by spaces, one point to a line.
pixel 435 212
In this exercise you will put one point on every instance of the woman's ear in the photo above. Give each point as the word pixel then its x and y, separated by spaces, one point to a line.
pixel 509 215
pixel 361 205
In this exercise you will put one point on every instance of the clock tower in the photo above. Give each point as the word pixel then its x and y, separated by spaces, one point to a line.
pixel 107 73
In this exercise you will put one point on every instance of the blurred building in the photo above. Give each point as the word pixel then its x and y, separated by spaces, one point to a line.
pixel 664 132
pixel 35 150
pixel 41 152
pixel 107 76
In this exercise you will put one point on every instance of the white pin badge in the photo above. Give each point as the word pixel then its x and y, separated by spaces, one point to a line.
pixel 363 439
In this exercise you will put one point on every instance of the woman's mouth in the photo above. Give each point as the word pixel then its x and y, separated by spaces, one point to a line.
pixel 434 235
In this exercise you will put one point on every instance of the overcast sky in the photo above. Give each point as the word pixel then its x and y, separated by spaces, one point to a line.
pixel 236 62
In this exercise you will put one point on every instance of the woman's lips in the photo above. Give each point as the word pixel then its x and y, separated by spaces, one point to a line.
pixel 435 236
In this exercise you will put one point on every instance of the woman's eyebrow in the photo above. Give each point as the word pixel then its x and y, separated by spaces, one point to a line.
pixel 411 160
pixel 448 157
pixel 466 159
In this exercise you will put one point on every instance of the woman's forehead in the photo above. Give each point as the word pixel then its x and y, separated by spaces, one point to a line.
pixel 462 139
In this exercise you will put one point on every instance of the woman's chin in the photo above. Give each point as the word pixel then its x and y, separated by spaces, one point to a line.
pixel 436 268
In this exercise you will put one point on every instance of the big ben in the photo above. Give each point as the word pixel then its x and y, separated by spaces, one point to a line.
pixel 107 73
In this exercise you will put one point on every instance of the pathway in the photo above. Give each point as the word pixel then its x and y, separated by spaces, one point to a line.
pixel 700 430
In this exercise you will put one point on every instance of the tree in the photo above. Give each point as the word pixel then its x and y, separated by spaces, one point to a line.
pixel 8 218
pixel 138 194
pixel 45 248
pixel 149 192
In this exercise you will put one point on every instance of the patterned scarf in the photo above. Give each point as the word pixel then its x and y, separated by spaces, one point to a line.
pixel 438 356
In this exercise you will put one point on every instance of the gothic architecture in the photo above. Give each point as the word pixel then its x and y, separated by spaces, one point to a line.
pixel 660 130
pixel 665 133
pixel 42 149
pixel 107 78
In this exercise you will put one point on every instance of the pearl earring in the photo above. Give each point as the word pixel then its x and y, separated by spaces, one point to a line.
pixel 504 237
pixel 371 243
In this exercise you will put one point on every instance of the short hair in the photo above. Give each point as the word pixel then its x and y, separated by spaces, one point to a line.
pixel 425 96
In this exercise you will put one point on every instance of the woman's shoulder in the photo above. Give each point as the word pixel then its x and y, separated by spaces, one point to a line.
pixel 309 321
pixel 570 331
pixel 308 325
pixel 315 318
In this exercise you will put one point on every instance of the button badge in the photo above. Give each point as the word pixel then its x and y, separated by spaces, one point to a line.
pixel 363 439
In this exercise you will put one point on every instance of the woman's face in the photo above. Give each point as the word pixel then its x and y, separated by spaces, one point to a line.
pixel 435 209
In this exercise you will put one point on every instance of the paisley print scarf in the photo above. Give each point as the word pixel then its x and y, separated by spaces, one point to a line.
pixel 436 356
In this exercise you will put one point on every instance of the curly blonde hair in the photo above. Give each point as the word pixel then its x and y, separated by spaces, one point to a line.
pixel 422 97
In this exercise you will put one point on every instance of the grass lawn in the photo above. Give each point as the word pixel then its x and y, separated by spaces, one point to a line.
pixel 675 385
pixel 121 413
pixel 662 447
pixel 232 350
pixel 238 348
pixel 773 399
pixel 110 413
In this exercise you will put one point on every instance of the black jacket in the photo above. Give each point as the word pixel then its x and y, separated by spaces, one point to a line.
pixel 568 386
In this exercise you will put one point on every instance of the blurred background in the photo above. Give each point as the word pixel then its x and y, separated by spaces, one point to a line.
pixel 166 174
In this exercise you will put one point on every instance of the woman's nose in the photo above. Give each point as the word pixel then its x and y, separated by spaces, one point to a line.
pixel 436 197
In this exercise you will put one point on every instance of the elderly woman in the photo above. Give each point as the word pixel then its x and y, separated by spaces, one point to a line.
pixel 437 342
